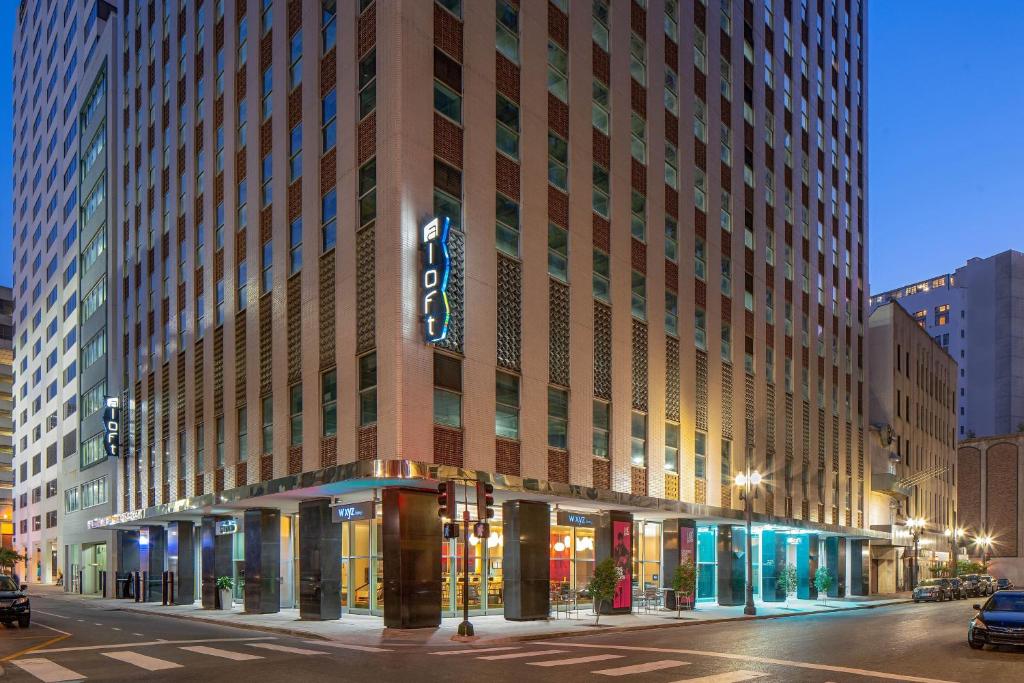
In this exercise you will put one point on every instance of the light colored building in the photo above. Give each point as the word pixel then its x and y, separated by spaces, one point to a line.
pixel 6 417
pixel 977 314
pixel 348 260
pixel 991 492
pixel 912 390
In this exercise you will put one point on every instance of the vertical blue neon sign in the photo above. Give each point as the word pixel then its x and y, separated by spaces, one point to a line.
pixel 436 268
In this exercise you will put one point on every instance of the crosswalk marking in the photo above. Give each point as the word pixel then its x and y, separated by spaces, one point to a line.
pixel 224 654
pixel 47 671
pixel 142 661
pixel 729 677
pixel 347 646
pixel 285 648
pixel 642 668
pixel 472 651
pixel 518 655
pixel 575 660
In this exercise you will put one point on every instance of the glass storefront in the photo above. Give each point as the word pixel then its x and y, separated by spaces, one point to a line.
pixel 362 580
pixel 572 560
pixel 646 555
pixel 486 581
pixel 707 564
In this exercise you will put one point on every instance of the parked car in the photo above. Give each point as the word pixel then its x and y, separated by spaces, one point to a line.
pixel 972 584
pixel 1000 621
pixel 1003 584
pixel 14 603
pixel 933 590
pixel 989 582
pixel 956 589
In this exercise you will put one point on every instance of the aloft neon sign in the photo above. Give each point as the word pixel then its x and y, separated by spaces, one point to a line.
pixel 436 268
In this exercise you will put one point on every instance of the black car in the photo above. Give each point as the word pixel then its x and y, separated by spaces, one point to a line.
pixel 14 604
pixel 972 585
pixel 956 589
pixel 999 622
pixel 989 582
pixel 1003 584
pixel 937 590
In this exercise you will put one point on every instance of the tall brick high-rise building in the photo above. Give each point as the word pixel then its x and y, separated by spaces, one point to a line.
pixel 360 247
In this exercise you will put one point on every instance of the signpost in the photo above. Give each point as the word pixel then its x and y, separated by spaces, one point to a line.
pixel 447 510
pixel 111 426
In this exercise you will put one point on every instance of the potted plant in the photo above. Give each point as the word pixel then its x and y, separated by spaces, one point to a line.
pixel 684 581
pixel 823 581
pixel 787 581
pixel 602 584
pixel 225 584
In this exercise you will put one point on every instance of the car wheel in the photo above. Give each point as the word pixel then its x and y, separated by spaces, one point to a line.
pixel 916 601
pixel 23 622
pixel 975 645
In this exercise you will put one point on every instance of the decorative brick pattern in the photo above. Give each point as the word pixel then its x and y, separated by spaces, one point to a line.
pixel 294 331
pixel 241 332
pixel 602 474
pixel 366 140
pixel 366 300
pixel 638 255
pixel 198 385
pixel 507 457
pixel 456 291
pixel 266 344
pixel 506 75
pixel 295 459
pixel 328 452
pixel 368 442
pixel 218 372
pixel 638 480
pixel 447 141
pixel 639 383
pixel 558 207
pixel 241 474
pixel 367 30
pixel 602 234
pixel 671 486
pixel 328 334
pixel 701 391
pixel 448 446
pixel 509 312
pixel 447 33
pixel 727 432
pixel 700 492
pixel 672 379
pixel 558 116
pixel 558 466
pixel 602 63
pixel 558 335
pixel 506 176
pixel 266 467
pixel 218 480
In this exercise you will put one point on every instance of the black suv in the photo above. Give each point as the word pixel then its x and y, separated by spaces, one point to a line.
pixel 972 585
pixel 14 604
pixel 937 590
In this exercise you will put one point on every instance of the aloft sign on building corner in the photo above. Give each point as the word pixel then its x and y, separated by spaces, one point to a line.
pixel 435 270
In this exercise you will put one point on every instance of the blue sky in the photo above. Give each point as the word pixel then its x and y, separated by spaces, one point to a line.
pixel 945 127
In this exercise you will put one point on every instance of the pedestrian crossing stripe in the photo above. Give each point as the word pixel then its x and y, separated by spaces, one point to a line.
pixel 728 677
pixel 47 671
pixel 142 661
pixel 645 667
pixel 285 648
pixel 223 654
pixel 575 660
pixel 520 655
pixel 347 646
pixel 472 650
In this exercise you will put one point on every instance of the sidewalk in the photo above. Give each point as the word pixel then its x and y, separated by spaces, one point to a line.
pixel 369 630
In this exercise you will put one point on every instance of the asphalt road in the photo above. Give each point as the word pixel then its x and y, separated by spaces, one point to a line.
pixel 73 639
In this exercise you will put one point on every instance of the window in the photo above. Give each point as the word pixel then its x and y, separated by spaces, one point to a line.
pixel 700 258
pixel 507 38
pixel 726 276
pixel 671 447
pixel 700 199
pixel 267 263
pixel 94 493
pixel 92 399
pixel 602 191
pixel 637 58
pixel 367 192
pixel 329 120
pixel 295 60
pixel 726 342
pixel 600 24
pixel 94 349
pixel 295 413
pixel 368 87
pixel 96 298
pixel 295 246
pixel 638 439
pixel 329 403
pixel 671 239
pixel 219 292
pixel 558 68
pixel 506 417
pixel 266 178
pixel 71 501
pixel 295 153
pixel 243 435
pixel 700 329
pixel 558 418
pixel 700 455
pixel 558 161
pixel 558 252
pixel 243 285
pixel 220 442
pixel 266 101
pixel 726 462
pixel 507 113
pixel 267 411
pixel 447 102
pixel 92 451
pixel 638 216
pixel 671 313
pixel 368 389
pixel 328 220
pixel 447 390
pixel 639 295
pixel 600 115
pixel 507 225
pixel 602 276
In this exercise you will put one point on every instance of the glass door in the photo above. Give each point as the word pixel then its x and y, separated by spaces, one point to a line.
pixel 486 587
pixel 707 564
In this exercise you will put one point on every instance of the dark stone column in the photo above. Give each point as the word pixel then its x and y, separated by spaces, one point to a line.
pixel 216 560
pixel 614 539
pixel 525 565
pixel 773 557
pixel 181 559
pixel 806 566
pixel 319 561
pixel 860 572
pixel 732 571
pixel 412 559
pixel 128 557
pixel 678 545
pixel 263 561
pixel 835 560
pixel 152 557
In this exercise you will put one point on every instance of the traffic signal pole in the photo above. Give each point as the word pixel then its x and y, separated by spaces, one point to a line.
pixel 465 628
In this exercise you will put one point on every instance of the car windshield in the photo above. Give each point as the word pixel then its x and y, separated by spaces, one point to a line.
pixel 7 584
pixel 932 582
pixel 1005 602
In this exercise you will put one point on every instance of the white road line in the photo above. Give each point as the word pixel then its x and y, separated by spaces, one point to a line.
pixel 285 648
pixel 115 628
pixel 520 655
pixel 224 654
pixel 136 634
pixel 51 614
pixel 347 646
pixel 471 651
pixel 575 660
pixel 642 668
pixel 764 660
pixel 47 671
pixel 97 624
pixel 729 677
pixel 83 648
pixel 39 623
pixel 142 661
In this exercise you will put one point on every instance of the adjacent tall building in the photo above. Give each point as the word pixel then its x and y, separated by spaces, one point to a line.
pixel 6 418
pixel 345 260
pixel 977 314
pixel 912 389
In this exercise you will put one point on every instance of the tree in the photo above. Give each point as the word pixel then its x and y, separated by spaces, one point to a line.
pixel 823 581
pixel 787 581
pixel 8 558
pixel 602 584
pixel 685 583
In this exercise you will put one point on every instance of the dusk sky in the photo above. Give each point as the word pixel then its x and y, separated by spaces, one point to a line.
pixel 946 96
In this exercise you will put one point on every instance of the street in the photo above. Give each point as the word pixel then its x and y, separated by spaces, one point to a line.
pixel 72 639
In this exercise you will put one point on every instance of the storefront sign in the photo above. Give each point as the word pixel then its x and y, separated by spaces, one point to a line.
pixel 111 425
pixel 566 518
pixel 225 527
pixel 434 280
pixel 353 512
pixel 687 544
pixel 622 553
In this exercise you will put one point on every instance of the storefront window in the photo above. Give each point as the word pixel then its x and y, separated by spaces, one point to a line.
pixel 647 555
pixel 706 564
pixel 572 560
pixel 486 582
pixel 362 580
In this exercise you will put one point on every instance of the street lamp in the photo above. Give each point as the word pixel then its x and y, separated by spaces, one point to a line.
pixel 749 481
pixel 986 547
pixel 954 536
pixel 916 526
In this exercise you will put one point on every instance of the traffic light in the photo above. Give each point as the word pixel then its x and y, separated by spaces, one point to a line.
pixel 446 499
pixel 482 530
pixel 484 501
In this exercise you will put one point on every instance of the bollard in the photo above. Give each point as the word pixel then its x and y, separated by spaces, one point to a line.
pixel 170 588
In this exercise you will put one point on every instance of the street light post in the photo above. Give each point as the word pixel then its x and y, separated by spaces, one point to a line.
pixel 916 525
pixel 748 482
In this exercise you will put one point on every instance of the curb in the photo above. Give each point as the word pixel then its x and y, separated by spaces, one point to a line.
pixel 297 633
